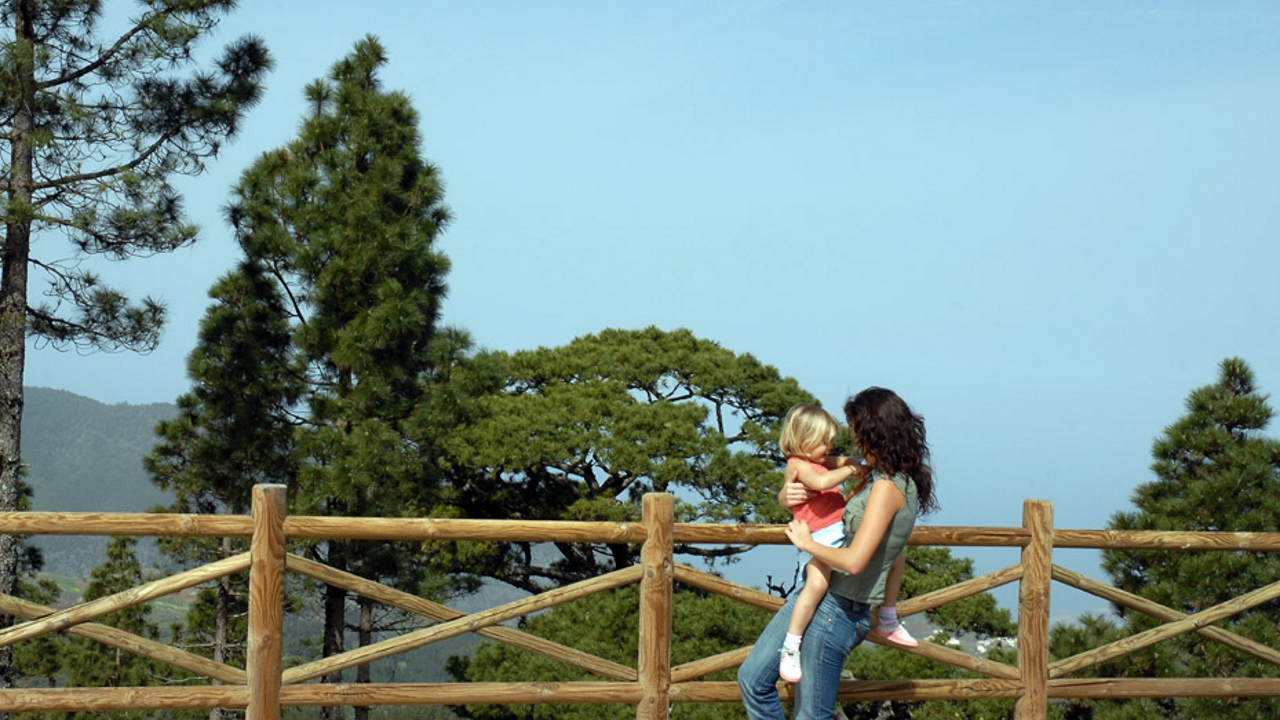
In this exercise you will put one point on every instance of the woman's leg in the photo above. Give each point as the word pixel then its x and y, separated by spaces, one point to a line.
pixel 837 627
pixel 758 676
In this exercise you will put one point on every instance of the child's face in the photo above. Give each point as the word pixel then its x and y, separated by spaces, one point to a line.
pixel 821 452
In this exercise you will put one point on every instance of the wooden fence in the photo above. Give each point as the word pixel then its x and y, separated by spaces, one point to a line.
pixel 654 685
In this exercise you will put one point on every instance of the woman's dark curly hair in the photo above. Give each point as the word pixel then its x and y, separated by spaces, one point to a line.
pixel 884 426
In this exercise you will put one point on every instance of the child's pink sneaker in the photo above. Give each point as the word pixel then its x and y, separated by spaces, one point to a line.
pixel 898 636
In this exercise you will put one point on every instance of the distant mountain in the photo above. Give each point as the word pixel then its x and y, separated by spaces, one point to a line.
pixel 86 456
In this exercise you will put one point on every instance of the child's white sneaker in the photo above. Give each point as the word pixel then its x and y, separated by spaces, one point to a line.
pixel 789 665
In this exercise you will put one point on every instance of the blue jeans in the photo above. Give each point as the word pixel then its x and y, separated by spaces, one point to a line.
pixel 838 626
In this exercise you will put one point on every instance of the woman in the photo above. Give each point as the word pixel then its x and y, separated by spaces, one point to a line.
pixel 879 517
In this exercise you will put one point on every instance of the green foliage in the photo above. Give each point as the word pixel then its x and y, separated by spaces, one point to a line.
pixel 1215 471
pixel 582 432
pixel 104 123
pixel 929 569
pixel 234 428
pixel 606 625
pixel 934 568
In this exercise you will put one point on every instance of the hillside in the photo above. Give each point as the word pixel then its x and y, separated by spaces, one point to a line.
pixel 83 455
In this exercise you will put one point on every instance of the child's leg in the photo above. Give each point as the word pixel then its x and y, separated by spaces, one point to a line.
pixel 887 624
pixel 817 578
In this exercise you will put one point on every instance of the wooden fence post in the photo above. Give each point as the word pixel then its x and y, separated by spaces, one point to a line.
pixel 1033 611
pixel 656 585
pixel 266 603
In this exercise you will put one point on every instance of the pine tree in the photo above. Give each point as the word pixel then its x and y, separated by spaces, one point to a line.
pixel 1215 471
pixel 95 129
pixel 319 362
pixel 233 430
pixel 583 431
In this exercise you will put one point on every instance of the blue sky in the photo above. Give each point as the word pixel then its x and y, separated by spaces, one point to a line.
pixel 1044 224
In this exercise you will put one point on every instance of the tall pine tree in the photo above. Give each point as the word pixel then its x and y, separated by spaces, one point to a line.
pixel 319 362
pixel 95 128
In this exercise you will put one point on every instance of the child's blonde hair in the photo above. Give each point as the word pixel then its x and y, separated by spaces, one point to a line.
pixel 805 428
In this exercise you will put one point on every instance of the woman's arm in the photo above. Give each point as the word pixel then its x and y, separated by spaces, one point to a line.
pixel 885 502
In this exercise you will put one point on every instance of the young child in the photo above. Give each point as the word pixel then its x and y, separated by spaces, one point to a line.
pixel 807 436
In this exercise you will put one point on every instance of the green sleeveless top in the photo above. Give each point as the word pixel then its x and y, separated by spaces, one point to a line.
pixel 868 585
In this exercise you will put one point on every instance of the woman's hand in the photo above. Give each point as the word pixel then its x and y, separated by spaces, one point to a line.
pixel 794 493
pixel 799 535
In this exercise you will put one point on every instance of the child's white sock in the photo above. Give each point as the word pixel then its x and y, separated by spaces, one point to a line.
pixel 792 641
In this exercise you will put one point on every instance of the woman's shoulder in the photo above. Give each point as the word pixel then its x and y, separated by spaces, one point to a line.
pixel 904 484
pixel 899 480
pixel 878 474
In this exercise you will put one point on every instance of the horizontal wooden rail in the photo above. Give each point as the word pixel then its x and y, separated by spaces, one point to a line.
pixel 109 699
pixel 1161 540
pixel 132 524
pixel 123 699
pixel 417 529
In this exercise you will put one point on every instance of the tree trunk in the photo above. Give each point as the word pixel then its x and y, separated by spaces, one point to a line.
pixel 221 624
pixel 366 638
pixel 13 305
pixel 335 621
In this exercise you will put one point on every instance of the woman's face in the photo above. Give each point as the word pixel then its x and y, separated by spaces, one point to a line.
pixel 868 457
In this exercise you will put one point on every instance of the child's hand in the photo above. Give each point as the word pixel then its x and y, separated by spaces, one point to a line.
pixel 798 533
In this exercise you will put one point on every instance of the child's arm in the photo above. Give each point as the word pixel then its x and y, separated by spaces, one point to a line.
pixel 835 462
pixel 803 471
pixel 838 461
